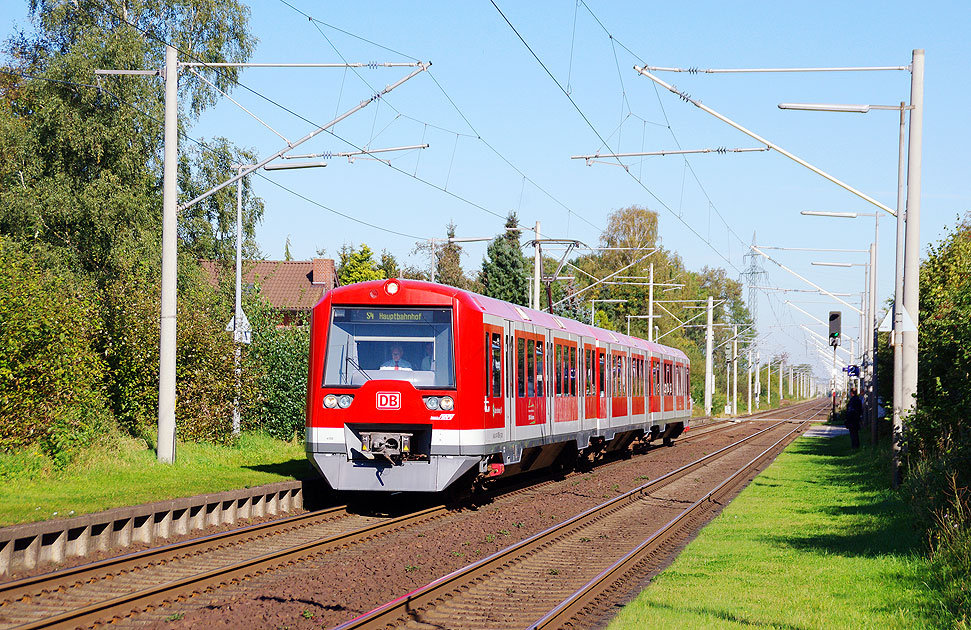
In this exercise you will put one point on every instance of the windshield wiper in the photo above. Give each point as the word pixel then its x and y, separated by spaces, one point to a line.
pixel 358 367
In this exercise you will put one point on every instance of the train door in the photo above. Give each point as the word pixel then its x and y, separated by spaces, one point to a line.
pixel 681 386
pixel 618 382
pixel 667 384
pixel 602 387
pixel 494 405
pixel 589 383
pixel 637 382
pixel 530 391
pixel 654 384
pixel 564 382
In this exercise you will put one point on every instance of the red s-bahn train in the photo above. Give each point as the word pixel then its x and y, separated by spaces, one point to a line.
pixel 420 387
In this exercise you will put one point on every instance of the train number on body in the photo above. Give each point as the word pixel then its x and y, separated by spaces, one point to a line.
pixel 389 400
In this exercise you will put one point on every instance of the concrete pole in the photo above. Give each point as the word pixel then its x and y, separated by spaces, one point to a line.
pixel 749 380
pixel 874 322
pixel 237 313
pixel 758 381
pixel 912 240
pixel 709 343
pixel 781 397
pixel 650 305
pixel 768 383
pixel 537 269
pixel 734 370
pixel 167 336
pixel 898 308
pixel 728 385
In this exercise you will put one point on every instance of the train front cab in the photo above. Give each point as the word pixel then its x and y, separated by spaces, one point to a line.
pixel 374 424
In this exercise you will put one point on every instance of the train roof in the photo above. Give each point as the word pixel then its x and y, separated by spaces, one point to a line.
pixel 361 293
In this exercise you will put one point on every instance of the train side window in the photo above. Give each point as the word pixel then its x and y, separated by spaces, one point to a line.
pixel 530 368
pixel 618 375
pixel 573 371
pixel 558 369
pixel 640 377
pixel 602 372
pixel 496 365
pixel 565 370
pixel 540 367
pixel 488 364
pixel 521 365
pixel 588 372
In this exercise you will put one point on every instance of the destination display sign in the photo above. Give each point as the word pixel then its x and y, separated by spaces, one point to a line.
pixel 393 315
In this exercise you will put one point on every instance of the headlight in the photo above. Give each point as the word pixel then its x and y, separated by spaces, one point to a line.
pixel 431 403
pixel 330 401
pixel 447 403
pixel 345 401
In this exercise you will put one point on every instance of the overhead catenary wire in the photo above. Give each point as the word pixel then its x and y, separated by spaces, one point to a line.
pixel 603 141
pixel 102 89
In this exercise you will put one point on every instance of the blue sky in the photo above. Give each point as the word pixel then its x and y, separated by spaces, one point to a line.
pixel 502 131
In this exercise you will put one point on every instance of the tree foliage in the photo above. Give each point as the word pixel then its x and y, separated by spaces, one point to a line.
pixel 207 230
pixel 79 193
pixel 448 262
pixel 631 236
pixel 357 265
pixel 938 438
pixel 503 273
pixel 51 378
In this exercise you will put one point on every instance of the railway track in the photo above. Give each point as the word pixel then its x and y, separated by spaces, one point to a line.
pixel 119 587
pixel 123 586
pixel 555 575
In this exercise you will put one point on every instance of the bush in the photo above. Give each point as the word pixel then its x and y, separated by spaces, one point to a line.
pixel 51 378
pixel 277 365
pixel 205 382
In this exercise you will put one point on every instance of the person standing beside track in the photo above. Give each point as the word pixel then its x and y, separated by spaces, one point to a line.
pixel 854 412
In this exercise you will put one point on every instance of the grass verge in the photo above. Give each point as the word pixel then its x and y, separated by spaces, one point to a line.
pixel 818 540
pixel 124 471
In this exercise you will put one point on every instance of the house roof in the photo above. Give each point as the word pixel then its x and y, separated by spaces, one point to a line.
pixel 288 285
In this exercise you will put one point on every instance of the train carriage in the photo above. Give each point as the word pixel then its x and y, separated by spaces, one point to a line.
pixel 420 387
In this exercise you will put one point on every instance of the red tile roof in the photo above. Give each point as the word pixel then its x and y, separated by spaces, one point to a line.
pixel 288 285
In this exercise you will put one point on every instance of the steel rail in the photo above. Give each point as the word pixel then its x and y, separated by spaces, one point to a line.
pixel 128 603
pixel 62 578
pixel 385 614
pixel 592 590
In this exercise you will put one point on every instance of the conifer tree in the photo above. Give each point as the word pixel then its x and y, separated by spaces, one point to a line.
pixel 503 274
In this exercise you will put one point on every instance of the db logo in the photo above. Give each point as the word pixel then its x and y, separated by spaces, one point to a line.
pixel 389 400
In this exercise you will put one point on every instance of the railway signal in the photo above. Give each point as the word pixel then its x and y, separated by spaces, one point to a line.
pixel 834 328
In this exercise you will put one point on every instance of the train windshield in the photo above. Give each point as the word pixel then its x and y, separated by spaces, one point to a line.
pixel 402 344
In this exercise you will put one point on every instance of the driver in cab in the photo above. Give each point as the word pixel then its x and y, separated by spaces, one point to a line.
pixel 397 361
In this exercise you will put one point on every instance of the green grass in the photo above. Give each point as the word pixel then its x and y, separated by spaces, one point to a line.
pixel 816 541
pixel 123 471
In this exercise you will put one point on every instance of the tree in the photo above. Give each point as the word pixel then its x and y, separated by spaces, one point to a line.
pixel 87 160
pixel 208 229
pixel 357 265
pixel 79 189
pixel 389 265
pixel 633 228
pixel 503 274
pixel 449 263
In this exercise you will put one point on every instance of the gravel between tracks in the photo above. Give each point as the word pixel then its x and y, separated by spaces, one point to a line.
pixel 331 588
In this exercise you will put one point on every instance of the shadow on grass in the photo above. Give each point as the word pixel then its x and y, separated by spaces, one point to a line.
pixel 881 520
pixel 724 615
pixel 297 468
